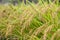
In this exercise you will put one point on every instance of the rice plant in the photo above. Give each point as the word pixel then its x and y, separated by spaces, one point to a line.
pixel 39 21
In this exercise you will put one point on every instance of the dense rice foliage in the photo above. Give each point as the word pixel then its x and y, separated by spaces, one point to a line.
pixel 30 22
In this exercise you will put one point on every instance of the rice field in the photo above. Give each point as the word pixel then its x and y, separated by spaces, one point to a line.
pixel 30 22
